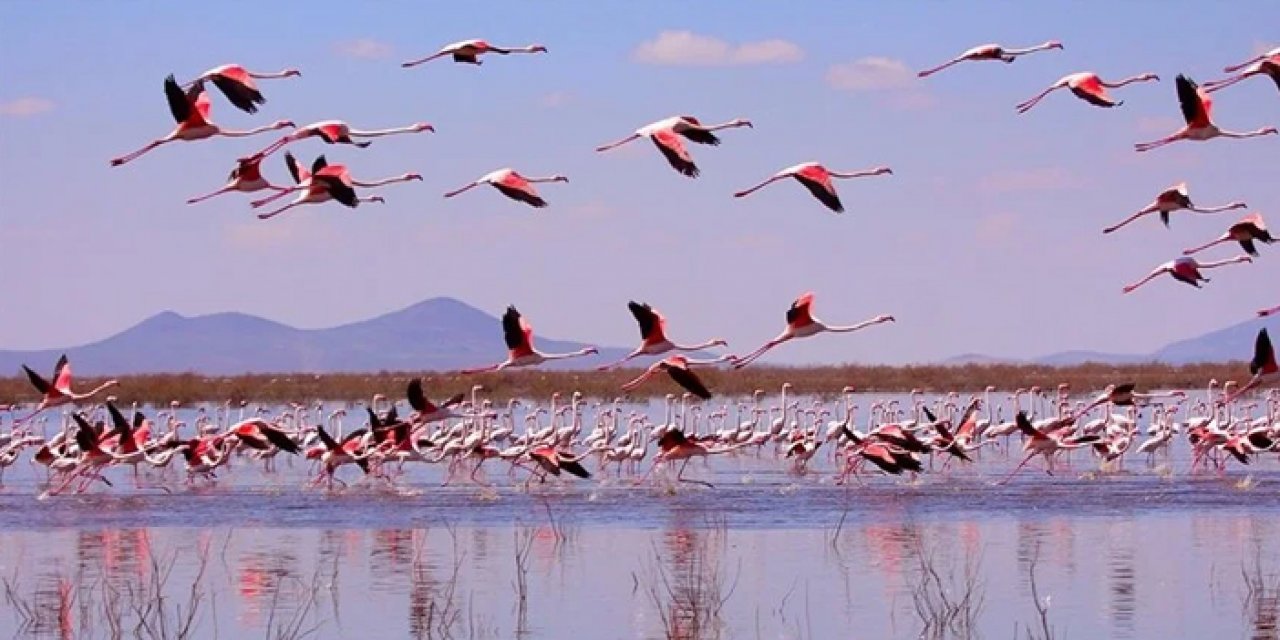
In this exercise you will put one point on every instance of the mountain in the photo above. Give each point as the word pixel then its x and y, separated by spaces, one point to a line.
pixel 436 334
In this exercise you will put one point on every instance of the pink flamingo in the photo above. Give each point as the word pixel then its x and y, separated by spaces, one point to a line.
pixel 1263 367
pixel 339 132
pixel 1088 87
pixel 191 111
pixel 1248 231
pixel 518 334
pixel 1267 64
pixel 326 182
pixel 991 52
pixel 653 333
pixel 802 324
pixel 246 178
pixel 1186 270
pixel 469 51
pixel 817 179
pixel 1197 110
pixel 666 136
pixel 678 367
pixel 1039 443
pixel 59 392
pixel 1268 312
pixel 674 445
pixel 1174 198
pixel 237 84
pixel 512 185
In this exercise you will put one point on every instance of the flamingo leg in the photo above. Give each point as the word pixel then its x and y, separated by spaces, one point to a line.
pixel 231 186
pixel 680 476
pixel 1018 468
pixel 115 162
pixel 272 214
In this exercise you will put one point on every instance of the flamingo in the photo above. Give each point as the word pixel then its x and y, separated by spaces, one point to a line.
pixel 1174 198
pixel 426 410
pixel 1263 367
pixel 469 51
pixel 246 178
pixel 59 392
pixel 339 132
pixel 675 445
pixel 1248 231
pixel 326 182
pixel 512 185
pixel 802 324
pixel 190 110
pixel 1268 312
pixel 1041 443
pixel 653 333
pixel 991 52
pixel 1266 64
pixel 518 334
pixel 237 84
pixel 1185 269
pixel 678 367
pixel 666 135
pixel 1088 87
pixel 817 179
pixel 1197 110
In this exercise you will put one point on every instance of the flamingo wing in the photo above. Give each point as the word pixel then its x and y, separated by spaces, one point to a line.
pixel 823 190
pixel 573 467
pixel 179 105
pixel 239 88
pixel 464 56
pixel 699 135
pixel 120 425
pixel 37 381
pixel 337 188
pixel 320 163
pixel 1025 426
pixel 1196 104
pixel 650 321
pixel 524 195
pixel 332 132
pixel 517 332
pixel 1091 90
pixel 86 439
pixel 417 398
pixel 673 149
pixel 1264 356
pixel 799 313
pixel 297 173
pixel 687 379
pixel 62 374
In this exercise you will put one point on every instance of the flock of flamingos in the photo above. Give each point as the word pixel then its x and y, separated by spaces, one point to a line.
pixel 463 432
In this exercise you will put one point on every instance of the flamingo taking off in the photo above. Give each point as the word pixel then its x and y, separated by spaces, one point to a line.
pixel 991 52
pixel 1185 269
pixel 1197 110
pixel 1174 198
pixel 518 334
pixel 1267 64
pixel 1248 231
pixel 334 183
pixel 1088 87
pixel 190 110
pixel 246 178
pixel 802 324
pixel 237 84
pixel 469 51
pixel 339 132
pixel 677 367
pixel 1268 312
pixel 512 185
pixel 653 333
pixel 666 136
pixel 58 392
pixel 1263 367
pixel 817 179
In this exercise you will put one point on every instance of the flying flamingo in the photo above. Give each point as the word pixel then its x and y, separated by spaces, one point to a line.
pixel 653 333
pixel 326 182
pixel 1088 87
pixel 678 367
pixel 59 391
pixel 802 324
pixel 246 178
pixel 1174 198
pixel 1186 270
pixel 339 132
pixel 666 135
pixel 817 179
pixel 237 84
pixel 512 185
pixel 191 111
pixel 1263 366
pixel 469 51
pixel 1249 230
pixel 1041 443
pixel 1268 312
pixel 1197 110
pixel 991 52
pixel 518 334
pixel 1266 64
pixel 428 411
pixel 675 445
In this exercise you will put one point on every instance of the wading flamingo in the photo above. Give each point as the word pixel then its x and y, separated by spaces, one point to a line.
pixel 518 334
pixel 246 178
pixel 339 132
pixel 190 110
pixel 1088 87
pixel 1267 64
pixel 653 333
pixel 512 185
pixel 1174 198
pixel 678 367
pixel 469 51
pixel 1248 231
pixel 326 182
pixel 1040 443
pixel 1197 110
pixel 666 136
pixel 1186 270
pixel 802 324
pixel 59 392
pixel 1263 366
pixel 991 52
pixel 674 445
pixel 817 179
pixel 237 84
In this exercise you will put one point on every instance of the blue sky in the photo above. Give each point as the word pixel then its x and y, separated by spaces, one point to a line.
pixel 987 238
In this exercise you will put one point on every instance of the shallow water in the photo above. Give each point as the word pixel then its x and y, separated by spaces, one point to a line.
pixel 1144 553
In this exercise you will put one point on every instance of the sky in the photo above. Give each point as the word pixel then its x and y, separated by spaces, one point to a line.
pixel 986 238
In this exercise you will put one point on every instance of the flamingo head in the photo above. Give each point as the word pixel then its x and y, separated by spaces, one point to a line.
pixel 882 171
pixel 538 48
pixel 880 319
pixel 283 124
pixel 742 122
pixel 378 199
pixel 1268 131
pixel 423 126
pixel 1053 44
pixel 720 342
pixel 411 176
pixel 591 350
pixel 1148 76
pixel 559 178
pixel 288 73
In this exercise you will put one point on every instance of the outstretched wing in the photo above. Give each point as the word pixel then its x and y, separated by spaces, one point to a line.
pixel 62 374
pixel 418 398
pixel 689 380
pixel 520 195
pixel 278 438
pixel 516 331
pixel 239 90
pixel 673 150
pixel 1264 356
pixel 179 106
pixel 329 442
pixel 295 171
pixel 573 467
pixel 799 313
pixel 648 319
pixel 1195 105
pixel 319 163
pixel 38 382
pixel 1025 426
pixel 338 190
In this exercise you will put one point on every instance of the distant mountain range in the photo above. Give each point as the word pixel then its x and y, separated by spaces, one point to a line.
pixel 437 334
pixel 1224 345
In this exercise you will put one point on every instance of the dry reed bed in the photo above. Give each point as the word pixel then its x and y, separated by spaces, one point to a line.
pixel 188 388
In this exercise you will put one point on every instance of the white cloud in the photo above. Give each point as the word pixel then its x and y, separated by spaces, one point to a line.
pixel 365 48
pixel 1036 179
pixel 25 107
pixel 871 74
pixel 685 48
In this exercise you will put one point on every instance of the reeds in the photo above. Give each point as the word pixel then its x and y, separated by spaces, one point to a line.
pixel 188 388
